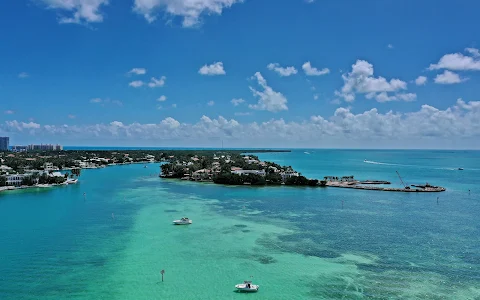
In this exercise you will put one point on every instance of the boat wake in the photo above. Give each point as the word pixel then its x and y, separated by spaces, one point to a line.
pixel 381 163
pixel 414 166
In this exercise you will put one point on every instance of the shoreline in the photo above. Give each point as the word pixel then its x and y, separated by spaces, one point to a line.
pixel 25 187
pixel 430 189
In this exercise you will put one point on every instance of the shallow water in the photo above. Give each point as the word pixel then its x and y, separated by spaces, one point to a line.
pixel 297 243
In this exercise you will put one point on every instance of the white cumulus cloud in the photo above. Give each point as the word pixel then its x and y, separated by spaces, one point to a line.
pixel 459 61
pixel 77 11
pixel 211 103
pixel 23 75
pixel 162 98
pixel 473 51
pixel 136 83
pixel 213 69
pixel 456 126
pixel 361 81
pixel 311 71
pixel 190 10
pixel 448 77
pixel 421 80
pixel 138 71
pixel 154 82
pixel 287 71
pixel 268 99
pixel 237 102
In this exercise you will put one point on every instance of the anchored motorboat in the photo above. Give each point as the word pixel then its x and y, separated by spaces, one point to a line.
pixel 183 221
pixel 247 287
pixel 461 169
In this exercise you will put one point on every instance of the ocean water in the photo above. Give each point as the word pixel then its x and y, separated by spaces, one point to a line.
pixel 296 243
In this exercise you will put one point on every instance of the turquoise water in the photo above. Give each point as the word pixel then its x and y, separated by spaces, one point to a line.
pixel 297 243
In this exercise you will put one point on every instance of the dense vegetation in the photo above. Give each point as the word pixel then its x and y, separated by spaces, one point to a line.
pixel 35 160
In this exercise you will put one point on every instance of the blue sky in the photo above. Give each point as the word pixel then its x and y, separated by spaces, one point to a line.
pixel 66 73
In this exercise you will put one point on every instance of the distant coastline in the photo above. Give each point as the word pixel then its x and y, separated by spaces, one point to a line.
pixel 40 169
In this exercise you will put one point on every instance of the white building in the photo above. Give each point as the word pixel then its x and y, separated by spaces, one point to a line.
pixel 4 168
pixel 49 167
pixel 15 179
pixel 287 174
pixel 245 172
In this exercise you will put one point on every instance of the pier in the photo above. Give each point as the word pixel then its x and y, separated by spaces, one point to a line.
pixel 349 182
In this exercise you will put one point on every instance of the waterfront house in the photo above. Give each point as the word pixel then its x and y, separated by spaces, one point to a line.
pixel 49 167
pixel 289 173
pixel 203 174
pixel 275 170
pixel 245 172
pixel 15 179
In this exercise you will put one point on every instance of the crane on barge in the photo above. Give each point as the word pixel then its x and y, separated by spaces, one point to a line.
pixel 401 180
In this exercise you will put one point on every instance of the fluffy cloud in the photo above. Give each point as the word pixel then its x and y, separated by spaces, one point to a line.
pixel 421 80
pixel 287 71
pixel 138 71
pixel 154 82
pixel 211 103
pixel 71 116
pixel 268 99
pixel 190 10
pixel 136 83
pixel 77 11
pixel 474 52
pixel 9 112
pixel 162 98
pixel 23 75
pixel 459 62
pixel 213 69
pixel 384 97
pixel 448 78
pixel 20 126
pixel 390 46
pixel 237 102
pixel 361 81
pixel 311 71
pixel 455 126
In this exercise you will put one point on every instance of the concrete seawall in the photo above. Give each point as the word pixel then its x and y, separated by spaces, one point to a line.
pixel 432 189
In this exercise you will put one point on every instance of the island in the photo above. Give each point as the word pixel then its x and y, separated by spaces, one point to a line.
pixel 35 169
pixel 233 168
pixel 31 169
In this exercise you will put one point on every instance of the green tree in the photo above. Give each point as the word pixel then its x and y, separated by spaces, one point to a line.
pixel 297 180
pixel 273 178
pixel 3 181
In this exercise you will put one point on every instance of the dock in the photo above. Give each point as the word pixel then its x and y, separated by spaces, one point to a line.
pixel 349 182
pixel 431 189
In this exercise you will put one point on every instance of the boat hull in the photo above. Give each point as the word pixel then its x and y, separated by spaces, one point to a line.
pixel 244 289
pixel 182 222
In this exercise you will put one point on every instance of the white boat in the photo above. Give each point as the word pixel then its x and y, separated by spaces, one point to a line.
pixel 183 221
pixel 247 287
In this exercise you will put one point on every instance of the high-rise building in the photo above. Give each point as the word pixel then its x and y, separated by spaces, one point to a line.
pixel 4 141
pixel 44 147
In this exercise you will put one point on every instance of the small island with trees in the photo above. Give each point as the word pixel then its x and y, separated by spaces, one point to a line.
pixel 233 168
